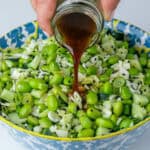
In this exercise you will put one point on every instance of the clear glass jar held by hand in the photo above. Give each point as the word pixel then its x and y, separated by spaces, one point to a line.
pixel 84 16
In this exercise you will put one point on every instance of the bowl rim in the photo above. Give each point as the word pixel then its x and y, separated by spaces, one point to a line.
pixel 84 139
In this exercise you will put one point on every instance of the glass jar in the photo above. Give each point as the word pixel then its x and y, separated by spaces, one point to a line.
pixel 88 7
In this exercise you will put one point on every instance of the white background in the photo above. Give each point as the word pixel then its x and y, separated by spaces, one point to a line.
pixel 16 12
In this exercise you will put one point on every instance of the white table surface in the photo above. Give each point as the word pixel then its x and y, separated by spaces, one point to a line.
pixel 16 12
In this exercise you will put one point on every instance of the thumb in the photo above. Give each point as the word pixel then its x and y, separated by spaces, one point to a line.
pixel 108 7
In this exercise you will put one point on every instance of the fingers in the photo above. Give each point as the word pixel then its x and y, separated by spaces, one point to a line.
pixel 108 7
pixel 44 23
pixel 45 10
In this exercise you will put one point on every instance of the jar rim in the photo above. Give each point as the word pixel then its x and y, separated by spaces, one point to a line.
pixel 73 6
pixel 78 6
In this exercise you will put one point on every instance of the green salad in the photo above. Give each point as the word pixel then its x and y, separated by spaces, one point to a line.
pixel 36 81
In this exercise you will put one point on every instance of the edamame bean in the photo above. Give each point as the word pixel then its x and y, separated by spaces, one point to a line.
pixel 53 67
pixel 107 88
pixel 125 93
pixel 93 50
pixel 126 123
pixel 103 122
pixel 117 108
pixel 93 113
pixel 72 108
pixel 32 120
pixel 86 133
pixel 56 79
pixel 23 86
pixel 114 118
pixel 148 108
pixel 52 102
pixel 91 98
pixel 81 113
pixel 45 122
pixel 127 109
pixel 102 131
pixel 38 84
pixel 25 111
pixel 85 122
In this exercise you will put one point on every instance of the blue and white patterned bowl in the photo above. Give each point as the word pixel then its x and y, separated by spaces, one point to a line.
pixel 115 141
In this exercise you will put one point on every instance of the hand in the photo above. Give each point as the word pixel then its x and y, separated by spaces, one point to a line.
pixel 108 7
pixel 45 9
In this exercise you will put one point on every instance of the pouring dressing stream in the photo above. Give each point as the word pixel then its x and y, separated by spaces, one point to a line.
pixel 77 25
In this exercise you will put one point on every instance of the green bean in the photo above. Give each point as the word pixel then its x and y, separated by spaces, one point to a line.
pixel 126 123
pixel 91 98
pixel 86 122
pixel 25 111
pixel 103 122
pixel 125 93
pixel 72 108
pixel 117 108
pixel 93 113
pixel 102 131
pixel 86 133
pixel 23 86
pixel 32 120
pixel 107 88
pixel 45 122
pixel 118 82
pixel 52 102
